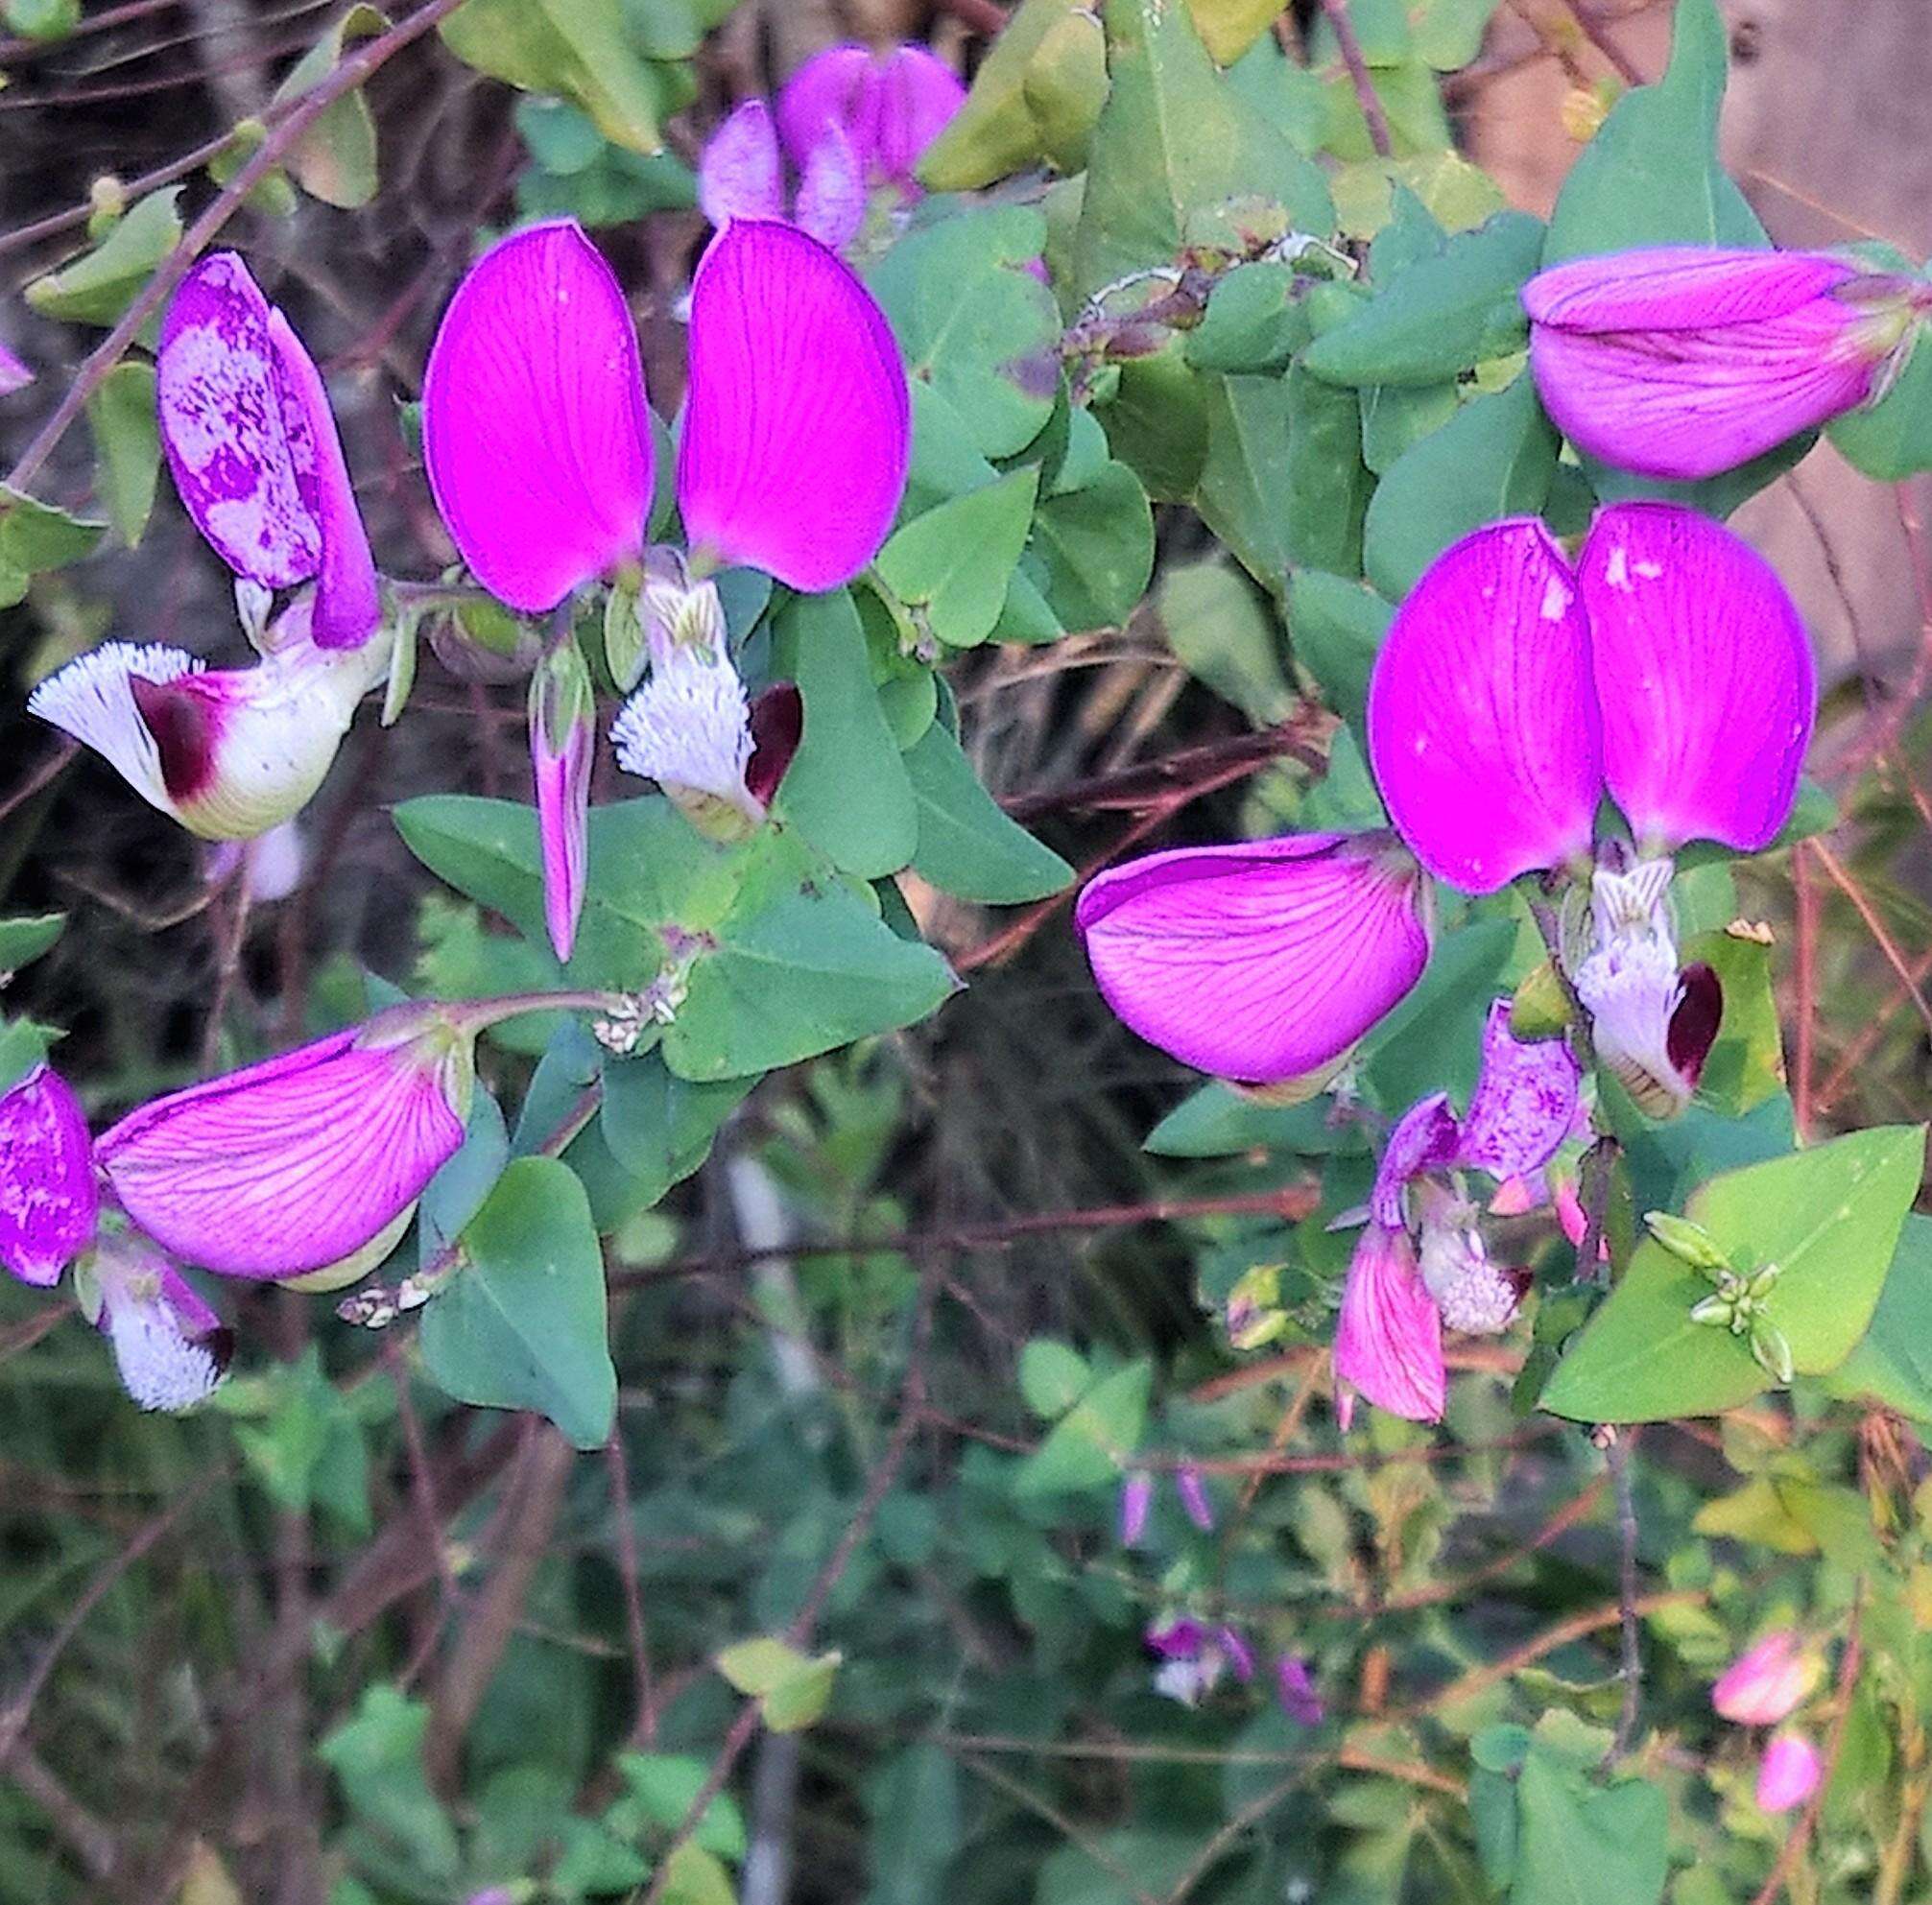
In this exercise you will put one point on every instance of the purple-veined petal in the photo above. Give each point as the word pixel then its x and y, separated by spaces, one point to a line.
pixel 170 1347
pixel 16 374
pixel 902 105
pixel 348 602
pixel 1236 1651
pixel 1424 1138
pixel 292 1165
pixel 797 425
pixel 831 192
pixel 1788 1774
pixel 1482 719
pixel 223 423
pixel 823 92
pixel 49 1203
pixel 1258 962
pixel 1681 288
pixel 1389 1336
pixel 563 740
pixel 739 174
pixel 1524 1103
pixel 1768 1679
pixel 1705 678
pixel 534 430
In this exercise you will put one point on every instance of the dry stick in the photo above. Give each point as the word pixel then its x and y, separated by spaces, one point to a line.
pixel 1593 30
pixel 353 72
pixel 1366 97
pixel 799 1634
pixel 1850 888
pixel 1074 1835
pixel 423 1493
pixel 90 1840
pixel 1793 1848
pixel 644 1723
pixel 1805 895
pixel 1882 732
pixel 39 777
pixel 1860 1048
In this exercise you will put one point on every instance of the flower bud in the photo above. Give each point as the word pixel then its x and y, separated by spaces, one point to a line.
pixel 1193 1493
pixel 1689 1242
pixel 1768 1679
pixel 562 738
pixel 1788 1774
pixel 1295 1687
pixel 1137 1497
pixel 891 107
pixel 49 1203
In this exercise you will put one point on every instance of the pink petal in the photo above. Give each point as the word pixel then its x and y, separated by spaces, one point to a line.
pixel 797 426
pixel 348 604
pixel 1482 723
pixel 534 424
pixel 1768 1680
pixel 1681 363
pixel 1703 677
pixel 1260 962
pixel 1525 1104
pixel 1389 1336
pixel 832 192
pixel 224 425
pixel 1424 1138
pixel 903 105
pixel 824 91
pixel 16 374
pixel 291 1165
pixel 739 174
pixel 1789 1773
pixel 49 1203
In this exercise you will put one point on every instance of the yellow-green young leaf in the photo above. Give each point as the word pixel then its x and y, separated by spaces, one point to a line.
pixel 801 1697
pixel 36 537
pixel 272 193
pixel 695 1877
pixel 758 1666
pixel 1053 1377
pixel 1746 1064
pixel 335 158
pixel 42 19
pixel 127 446
pixel 95 289
pixel 1756 1514
pixel 1090 1443
pixel 1229 28
pixel 1539 1010
pixel 579 48
pixel 954 563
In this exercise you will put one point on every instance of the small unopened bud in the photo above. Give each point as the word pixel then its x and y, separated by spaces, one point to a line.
pixel 1690 1243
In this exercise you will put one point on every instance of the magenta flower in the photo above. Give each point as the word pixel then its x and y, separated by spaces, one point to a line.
pixel 1264 960
pixel 1669 669
pixel 562 738
pixel 1193 1493
pixel 1389 1336
pixel 741 174
pixel 1684 361
pixel 795 434
pixel 1788 1774
pixel 49 1203
pixel 15 375
pixel 891 107
pixel 230 753
pixel 1194 1656
pixel 169 1346
pixel 1294 1688
pixel 1768 1680
pixel 1136 1498
pixel 299 1163
pixel 246 423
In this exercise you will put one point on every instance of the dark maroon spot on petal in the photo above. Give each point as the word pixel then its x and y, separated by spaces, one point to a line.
pixel 778 724
pixel 182 721
pixel 1693 1026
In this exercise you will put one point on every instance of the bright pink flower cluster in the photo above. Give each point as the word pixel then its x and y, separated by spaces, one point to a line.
pixel 1763 1687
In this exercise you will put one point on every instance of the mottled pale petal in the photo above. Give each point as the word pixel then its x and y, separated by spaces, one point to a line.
pixel 1704 675
pixel 224 422
pixel 739 174
pixel 689 730
pixel 1424 1138
pixel 1259 962
pixel 831 192
pixel 1474 1295
pixel 348 604
pixel 562 741
pixel 1482 720
pixel 824 91
pixel 1389 1336
pixel 534 430
pixel 48 1205
pixel 15 373
pixel 1525 1100
pixel 294 1164
pixel 169 1346
pixel 1788 1774
pixel 1768 1679
pixel 797 424
pixel 1682 361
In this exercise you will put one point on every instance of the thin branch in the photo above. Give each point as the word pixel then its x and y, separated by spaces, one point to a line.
pixel 644 1721
pixel 1366 96
pixel 1616 1458
pixel 1874 925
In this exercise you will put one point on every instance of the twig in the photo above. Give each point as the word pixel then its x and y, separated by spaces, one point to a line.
pixel 86 1835
pixel 1627 69
pixel 1616 1458
pixel 1074 1834
pixel 1874 925
pixel 1376 120
pixel 353 72
pixel 47 771
pixel 644 1721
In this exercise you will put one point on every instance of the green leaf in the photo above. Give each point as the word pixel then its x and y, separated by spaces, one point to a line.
pixel 954 563
pixel 1053 1377
pixel 791 1689
pixel 1443 315
pixel 1828 1217
pixel 693 1876
pixel 1892 1363
pixel 1892 439
pixel 757 1666
pixel 1253 324
pixel 44 19
pixel 34 535
pixel 1176 143
pixel 377 1756
pixel 1096 546
pixel 1746 1064
pixel 579 48
pixel 1222 632
pixel 667 1784
pixel 1218 1121
pixel 24 939
pixel 96 288
pixel 460 1188
pixel 1579 1842
pixel 1090 1446
pixel 1494 458
pixel 1247 471
pixel 661 1127
pixel 1447 35
pixel 968 845
pixel 974 323
pixel 1432 1040
pixel 1229 28
pixel 913 1801
pixel 1651 175
pixel 847 789
pixel 127 446
pixel 335 160
pixel 1336 626
pixel 1328 484
pixel 522 1323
